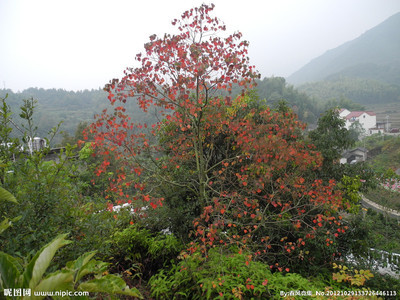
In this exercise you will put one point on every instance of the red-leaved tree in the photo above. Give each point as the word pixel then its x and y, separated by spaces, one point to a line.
pixel 184 75
pixel 245 166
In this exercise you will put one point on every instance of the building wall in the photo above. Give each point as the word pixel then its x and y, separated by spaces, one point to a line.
pixel 366 121
pixel 343 113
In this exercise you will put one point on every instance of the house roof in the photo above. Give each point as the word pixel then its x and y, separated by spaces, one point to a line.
pixel 356 114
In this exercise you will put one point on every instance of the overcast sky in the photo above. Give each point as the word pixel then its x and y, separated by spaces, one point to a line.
pixel 82 44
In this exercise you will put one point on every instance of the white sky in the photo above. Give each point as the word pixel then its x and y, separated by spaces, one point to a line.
pixel 82 44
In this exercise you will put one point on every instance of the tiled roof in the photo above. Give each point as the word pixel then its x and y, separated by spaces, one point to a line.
pixel 356 114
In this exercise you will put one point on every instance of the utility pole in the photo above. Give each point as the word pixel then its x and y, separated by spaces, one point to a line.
pixel 387 123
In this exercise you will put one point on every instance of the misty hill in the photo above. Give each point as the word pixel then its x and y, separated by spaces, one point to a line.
pixel 374 55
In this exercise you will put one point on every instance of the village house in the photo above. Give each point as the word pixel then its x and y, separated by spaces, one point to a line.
pixel 367 119
pixel 354 156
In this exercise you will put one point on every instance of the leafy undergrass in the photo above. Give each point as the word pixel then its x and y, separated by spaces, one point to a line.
pixel 384 197
pixel 381 232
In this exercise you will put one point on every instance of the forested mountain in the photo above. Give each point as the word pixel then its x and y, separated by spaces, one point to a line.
pixel 374 55
pixel 359 90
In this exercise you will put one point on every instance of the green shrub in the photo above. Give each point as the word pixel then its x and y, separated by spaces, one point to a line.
pixel 224 276
pixel 137 249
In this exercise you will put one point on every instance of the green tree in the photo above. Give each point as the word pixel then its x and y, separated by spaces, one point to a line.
pixel 357 132
pixel 275 89
pixel 331 138
pixel 46 184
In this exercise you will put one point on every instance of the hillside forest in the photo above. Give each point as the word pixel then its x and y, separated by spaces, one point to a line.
pixel 193 178
pixel 74 107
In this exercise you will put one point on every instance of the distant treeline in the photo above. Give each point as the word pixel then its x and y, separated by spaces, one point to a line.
pixel 56 105
pixel 307 107
pixel 75 107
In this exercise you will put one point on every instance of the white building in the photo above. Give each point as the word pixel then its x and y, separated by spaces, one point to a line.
pixel 367 119
pixel 36 144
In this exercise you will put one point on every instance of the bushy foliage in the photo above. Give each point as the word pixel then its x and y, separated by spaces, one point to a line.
pixel 385 196
pixel 137 250
pixel 276 89
pixel 384 154
pixel 53 195
pixel 382 232
pixel 230 275
pixel 46 184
